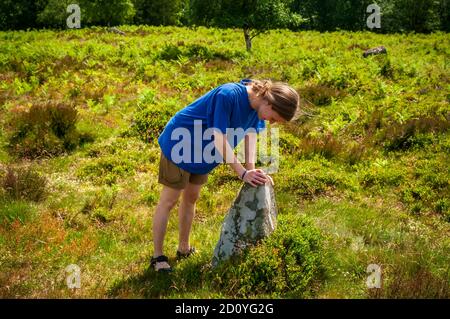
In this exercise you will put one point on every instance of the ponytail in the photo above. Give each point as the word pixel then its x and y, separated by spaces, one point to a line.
pixel 283 99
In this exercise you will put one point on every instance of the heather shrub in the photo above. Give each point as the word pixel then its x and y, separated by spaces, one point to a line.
pixel 286 264
pixel 43 130
pixel 24 183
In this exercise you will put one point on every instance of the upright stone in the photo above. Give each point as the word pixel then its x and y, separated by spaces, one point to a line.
pixel 252 217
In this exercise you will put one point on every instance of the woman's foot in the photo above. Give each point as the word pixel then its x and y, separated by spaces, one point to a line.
pixel 185 254
pixel 160 264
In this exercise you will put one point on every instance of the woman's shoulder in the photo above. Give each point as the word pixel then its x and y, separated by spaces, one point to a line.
pixel 233 87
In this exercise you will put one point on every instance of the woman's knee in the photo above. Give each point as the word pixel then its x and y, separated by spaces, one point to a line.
pixel 191 194
pixel 190 198
pixel 169 198
pixel 167 204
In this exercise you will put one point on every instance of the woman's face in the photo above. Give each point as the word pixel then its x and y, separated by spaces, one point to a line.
pixel 266 113
pixel 263 108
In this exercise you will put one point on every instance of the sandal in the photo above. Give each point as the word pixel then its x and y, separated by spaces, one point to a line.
pixel 181 255
pixel 160 259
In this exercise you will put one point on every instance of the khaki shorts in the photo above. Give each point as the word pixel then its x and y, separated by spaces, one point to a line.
pixel 173 176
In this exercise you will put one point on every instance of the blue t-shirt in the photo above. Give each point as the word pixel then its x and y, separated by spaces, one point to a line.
pixel 187 139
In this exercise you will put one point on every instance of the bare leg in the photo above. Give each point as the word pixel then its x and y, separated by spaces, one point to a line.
pixel 186 215
pixel 167 201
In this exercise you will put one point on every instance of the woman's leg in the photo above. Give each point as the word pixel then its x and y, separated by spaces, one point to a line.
pixel 168 199
pixel 186 214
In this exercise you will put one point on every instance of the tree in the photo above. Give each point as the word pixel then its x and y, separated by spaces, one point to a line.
pixel 417 15
pixel 54 14
pixel 396 15
pixel 19 14
pixel 444 15
pixel 158 12
pixel 253 16
pixel 307 10
pixel 93 12
pixel 203 12
pixel 329 15
pixel 108 12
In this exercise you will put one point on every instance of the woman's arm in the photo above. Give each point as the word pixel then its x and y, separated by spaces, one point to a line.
pixel 254 177
pixel 250 150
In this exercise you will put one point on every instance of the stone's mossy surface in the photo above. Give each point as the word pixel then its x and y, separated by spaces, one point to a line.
pixel 252 217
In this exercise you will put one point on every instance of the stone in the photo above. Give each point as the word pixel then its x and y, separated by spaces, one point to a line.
pixel 377 50
pixel 115 30
pixel 252 217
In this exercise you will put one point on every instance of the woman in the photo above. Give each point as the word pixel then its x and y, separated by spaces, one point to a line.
pixel 244 105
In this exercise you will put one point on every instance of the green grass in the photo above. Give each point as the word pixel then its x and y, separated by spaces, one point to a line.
pixel 369 169
pixel 15 210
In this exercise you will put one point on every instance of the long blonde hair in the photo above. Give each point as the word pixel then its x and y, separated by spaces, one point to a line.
pixel 283 98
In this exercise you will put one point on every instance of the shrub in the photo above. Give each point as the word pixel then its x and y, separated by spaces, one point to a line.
pixel 374 122
pixel 433 172
pixel 379 174
pixel 311 178
pixel 402 136
pixel 23 183
pixel 289 143
pixel 442 206
pixel 339 77
pixel 106 170
pixel 98 205
pixel 309 68
pixel 44 130
pixel 429 185
pixel 308 185
pixel 386 68
pixel 319 95
pixel 169 52
pixel 149 123
pixel 197 52
pixel 285 264
pixel 355 153
pixel 417 196
pixel 326 145
pixel 412 280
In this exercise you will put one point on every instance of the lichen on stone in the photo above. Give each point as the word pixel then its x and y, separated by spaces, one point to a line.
pixel 251 218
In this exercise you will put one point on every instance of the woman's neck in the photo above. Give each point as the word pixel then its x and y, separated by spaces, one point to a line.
pixel 251 97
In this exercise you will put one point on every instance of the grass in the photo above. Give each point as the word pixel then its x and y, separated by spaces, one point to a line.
pixel 368 168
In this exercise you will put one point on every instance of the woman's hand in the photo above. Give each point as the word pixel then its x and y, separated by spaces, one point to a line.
pixel 256 177
pixel 271 180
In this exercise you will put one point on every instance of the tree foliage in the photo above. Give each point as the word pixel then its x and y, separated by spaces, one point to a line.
pixel 256 14
pixel 323 15
pixel 397 15
pixel 52 13
pixel 158 12
pixel 19 14
pixel 108 12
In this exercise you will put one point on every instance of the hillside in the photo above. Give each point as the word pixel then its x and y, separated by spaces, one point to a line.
pixel 363 177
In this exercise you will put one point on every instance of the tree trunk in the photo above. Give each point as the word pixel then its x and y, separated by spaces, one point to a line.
pixel 248 39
